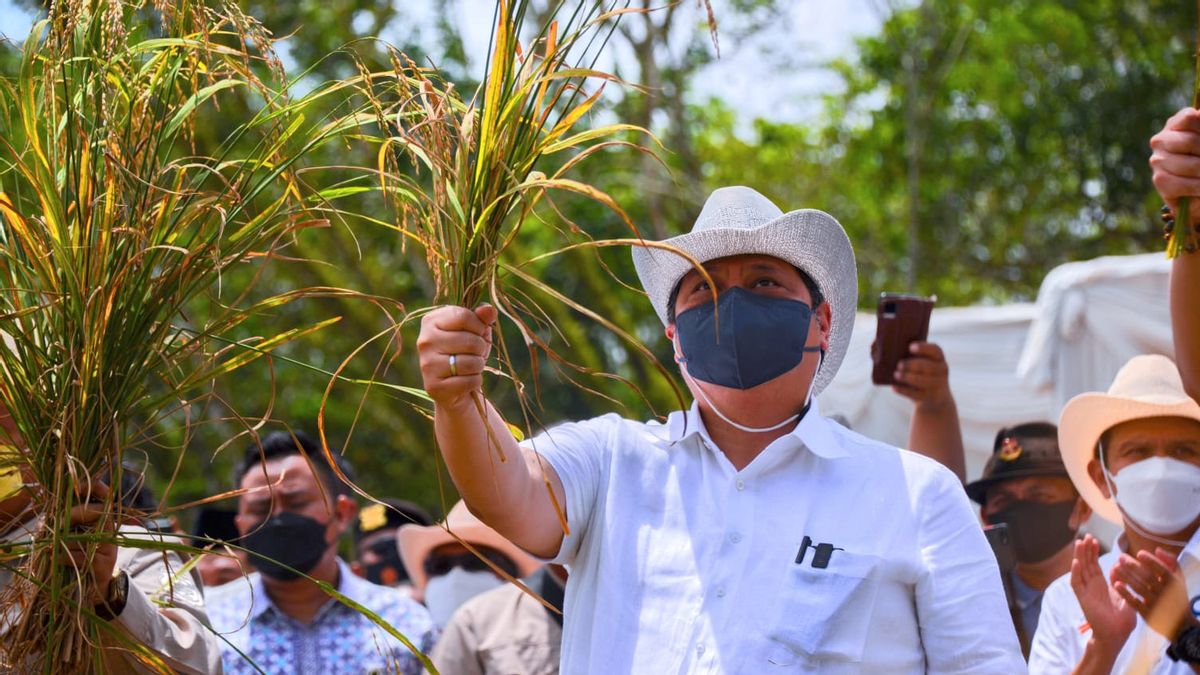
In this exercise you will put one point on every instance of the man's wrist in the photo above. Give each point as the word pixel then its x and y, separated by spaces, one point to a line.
pixel 115 597
pixel 940 405
pixel 1186 645
pixel 1105 650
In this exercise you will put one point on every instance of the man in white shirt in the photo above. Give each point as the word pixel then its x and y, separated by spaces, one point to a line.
pixel 1134 455
pixel 747 534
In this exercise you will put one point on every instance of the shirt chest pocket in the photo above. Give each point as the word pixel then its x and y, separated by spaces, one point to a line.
pixel 825 613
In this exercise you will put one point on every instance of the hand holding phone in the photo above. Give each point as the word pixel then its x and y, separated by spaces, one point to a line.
pixel 900 321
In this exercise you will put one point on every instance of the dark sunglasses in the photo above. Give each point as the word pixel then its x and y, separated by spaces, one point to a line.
pixel 437 565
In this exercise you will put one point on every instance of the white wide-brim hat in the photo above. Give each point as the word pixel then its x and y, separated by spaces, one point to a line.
pixel 1146 386
pixel 416 542
pixel 738 221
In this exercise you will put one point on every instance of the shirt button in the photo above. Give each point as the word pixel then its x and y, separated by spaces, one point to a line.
pixel 735 537
pixel 720 592
pixel 699 649
pixel 741 485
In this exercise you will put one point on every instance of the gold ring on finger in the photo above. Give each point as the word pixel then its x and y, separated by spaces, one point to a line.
pixel 453 365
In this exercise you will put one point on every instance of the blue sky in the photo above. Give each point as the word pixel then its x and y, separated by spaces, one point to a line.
pixel 753 76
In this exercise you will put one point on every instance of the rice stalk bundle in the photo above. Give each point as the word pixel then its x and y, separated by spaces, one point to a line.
pixel 464 175
pixel 113 233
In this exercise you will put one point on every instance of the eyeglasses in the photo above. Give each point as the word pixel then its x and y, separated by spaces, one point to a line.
pixel 437 565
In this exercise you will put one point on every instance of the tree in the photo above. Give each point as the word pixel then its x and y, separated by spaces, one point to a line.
pixel 1026 145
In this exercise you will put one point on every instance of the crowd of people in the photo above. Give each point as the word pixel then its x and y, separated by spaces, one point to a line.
pixel 748 533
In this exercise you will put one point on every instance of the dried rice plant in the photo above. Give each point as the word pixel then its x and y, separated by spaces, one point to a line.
pixel 113 235
pixel 465 175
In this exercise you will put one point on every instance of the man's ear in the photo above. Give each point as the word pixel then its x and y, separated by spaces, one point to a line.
pixel 345 510
pixel 1079 514
pixel 1096 473
pixel 669 331
pixel 825 321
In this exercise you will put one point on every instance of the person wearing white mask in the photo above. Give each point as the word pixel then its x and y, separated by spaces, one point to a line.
pixel 1134 455
pixel 445 573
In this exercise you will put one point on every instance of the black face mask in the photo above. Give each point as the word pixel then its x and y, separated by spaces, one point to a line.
pixel 1038 530
pixel 286 545
pixel 389 569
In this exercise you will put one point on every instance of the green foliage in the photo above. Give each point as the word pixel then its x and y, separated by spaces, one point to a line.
pixel 1026 124
pixel 114 238
pixel 975 145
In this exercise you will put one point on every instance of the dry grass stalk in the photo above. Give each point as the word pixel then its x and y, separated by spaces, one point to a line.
pixel 111 228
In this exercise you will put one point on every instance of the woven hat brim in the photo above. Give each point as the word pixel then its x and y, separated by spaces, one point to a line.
pixel 416 542
pixel 809 239
pixel 1085 418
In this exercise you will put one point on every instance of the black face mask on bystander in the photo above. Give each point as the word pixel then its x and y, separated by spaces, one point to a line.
pixel 286 545
pixel 1038 529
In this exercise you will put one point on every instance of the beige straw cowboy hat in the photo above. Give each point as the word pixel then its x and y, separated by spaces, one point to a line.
pixel 738 220
pixel 1146 386
pixel 416 542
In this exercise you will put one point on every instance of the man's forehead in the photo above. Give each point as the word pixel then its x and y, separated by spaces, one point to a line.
pixel 1028 483
pixel 748 259
pixel 293 472
pixel 753 262
pixel 1166 428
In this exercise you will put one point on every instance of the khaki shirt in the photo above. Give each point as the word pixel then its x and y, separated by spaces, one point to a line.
pixel 500 632
pixel 164 610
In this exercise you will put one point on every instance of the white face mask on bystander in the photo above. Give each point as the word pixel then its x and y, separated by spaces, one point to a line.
pixel 446 593
pixel 1159 494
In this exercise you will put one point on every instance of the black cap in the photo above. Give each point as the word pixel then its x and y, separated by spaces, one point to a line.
pixel 1020 451
pixel 214 524
pixel 389 515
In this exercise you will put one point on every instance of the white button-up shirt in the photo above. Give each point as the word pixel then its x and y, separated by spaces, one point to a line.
pixel 1061 636
pixel 680 563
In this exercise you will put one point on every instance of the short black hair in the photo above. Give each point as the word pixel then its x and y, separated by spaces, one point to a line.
pixel 279 444
pixel 814 291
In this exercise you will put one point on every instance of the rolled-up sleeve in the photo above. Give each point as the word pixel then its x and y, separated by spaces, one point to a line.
pixel 965 623
pixel 165 612
pixel 576 451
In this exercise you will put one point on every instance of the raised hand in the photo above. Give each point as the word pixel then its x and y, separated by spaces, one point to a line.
pixel 1154 586
pixel 1175 161
pixel 1111 618
pixel 453 347
pixel 923 375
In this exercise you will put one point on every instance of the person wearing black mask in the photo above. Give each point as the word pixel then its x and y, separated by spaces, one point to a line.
pixel 291 513
pixel 377 557
pixel 1025 486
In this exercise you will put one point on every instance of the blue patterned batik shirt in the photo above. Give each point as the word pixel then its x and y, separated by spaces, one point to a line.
pixel 338 641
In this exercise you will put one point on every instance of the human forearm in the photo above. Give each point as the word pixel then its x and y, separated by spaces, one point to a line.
pixel 499 483
pixel 924 378
pixel 166 616
pixel 1098 659
pixel 489 468
pixel 935 433
pixel 1185 319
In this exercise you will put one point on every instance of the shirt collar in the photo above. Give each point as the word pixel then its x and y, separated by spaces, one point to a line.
pixel 1192 549
pixel 349 585
pixel 813 432
pixel 1025 594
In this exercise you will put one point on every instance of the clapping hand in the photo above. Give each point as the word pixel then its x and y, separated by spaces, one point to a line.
pixel 1110 616
pixel 1153 585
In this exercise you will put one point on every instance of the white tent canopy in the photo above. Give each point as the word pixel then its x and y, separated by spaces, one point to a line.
pixel 1020 363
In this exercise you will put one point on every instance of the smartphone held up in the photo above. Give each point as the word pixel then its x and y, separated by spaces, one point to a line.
pixel 900 321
